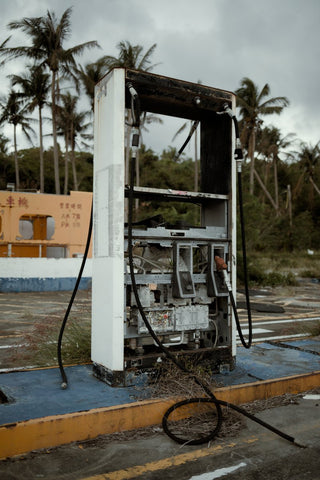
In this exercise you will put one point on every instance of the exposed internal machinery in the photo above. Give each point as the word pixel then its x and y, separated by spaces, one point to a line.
pixel 180 287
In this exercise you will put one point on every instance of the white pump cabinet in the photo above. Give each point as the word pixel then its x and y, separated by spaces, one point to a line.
pixel 182 293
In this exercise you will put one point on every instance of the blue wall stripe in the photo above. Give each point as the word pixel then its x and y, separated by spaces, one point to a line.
pixel 42 284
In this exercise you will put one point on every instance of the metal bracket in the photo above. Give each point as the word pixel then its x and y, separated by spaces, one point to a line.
pixel 182 279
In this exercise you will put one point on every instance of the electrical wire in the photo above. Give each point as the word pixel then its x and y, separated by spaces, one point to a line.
pixel 238 156
pixel 64 378
pixel 193 128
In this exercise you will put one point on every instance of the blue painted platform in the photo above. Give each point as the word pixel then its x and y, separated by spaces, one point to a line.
pixel 37 393
pixel 266 361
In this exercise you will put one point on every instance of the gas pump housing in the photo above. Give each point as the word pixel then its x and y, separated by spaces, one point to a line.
pixel 181 291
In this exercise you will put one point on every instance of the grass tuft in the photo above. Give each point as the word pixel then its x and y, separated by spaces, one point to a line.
pixel 40 344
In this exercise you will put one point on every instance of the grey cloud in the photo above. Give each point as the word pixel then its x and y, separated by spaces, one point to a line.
pixel 217 41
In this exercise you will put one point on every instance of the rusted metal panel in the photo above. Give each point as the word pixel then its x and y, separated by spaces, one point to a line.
pixel 178 98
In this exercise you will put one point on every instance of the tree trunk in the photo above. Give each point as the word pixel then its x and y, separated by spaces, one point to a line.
pixel 311 193
pixel 66 166
pixel 297 188
pixel 54 134
pixel 74 170
pixel 289 196
pixel 276 189
pixel 252 147
pixel 289 205
pixel 314 185
pixel 73 161
pixel 266 191
pixel 16 162
pixel 265 179
pixel 41 154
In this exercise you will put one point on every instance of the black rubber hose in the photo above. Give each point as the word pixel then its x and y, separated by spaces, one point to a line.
pixel 212 398
pixel 64 383
pixel 214 433
pixel 239 329
pixel 245 272
pixel 198 441
pixel 194 127
pixel 275 430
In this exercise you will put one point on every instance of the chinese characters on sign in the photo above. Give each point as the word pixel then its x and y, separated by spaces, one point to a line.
pixel 70 211
pixel 22 202
pixel 71 214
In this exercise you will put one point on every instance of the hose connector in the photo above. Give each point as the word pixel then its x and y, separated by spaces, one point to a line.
pixel 238 155
pixel 228 110
pixel 135 140
pixel 132 90
pixel 135 105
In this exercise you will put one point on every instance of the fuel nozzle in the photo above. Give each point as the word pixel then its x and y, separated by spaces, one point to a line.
pixel 223 269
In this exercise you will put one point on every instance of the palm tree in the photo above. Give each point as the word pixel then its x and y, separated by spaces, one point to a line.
pixel 79 128
pixel 89 76
pixel 71 124
pixel 13 112
pixel 64 112
pixel 309 158
pixel 4 144
pixel 48 36
pixel 254 104
pixel 131 56
pixel 35 87
pixel 271 145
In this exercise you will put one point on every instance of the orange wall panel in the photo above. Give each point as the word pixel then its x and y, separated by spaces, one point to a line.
pixel 71 214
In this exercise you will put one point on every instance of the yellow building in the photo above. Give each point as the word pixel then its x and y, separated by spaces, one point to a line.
pixel 43 225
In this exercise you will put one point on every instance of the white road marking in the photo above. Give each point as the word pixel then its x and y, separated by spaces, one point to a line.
pixel 279 337
pixel 221 472
pixel 289 320
pixel 18 369
pixel 255 331
pixel 14 345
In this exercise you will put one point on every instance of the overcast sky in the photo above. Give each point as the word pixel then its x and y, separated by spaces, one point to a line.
pixel 216 41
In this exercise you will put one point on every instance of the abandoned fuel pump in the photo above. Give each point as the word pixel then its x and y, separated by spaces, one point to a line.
pixel 180 289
